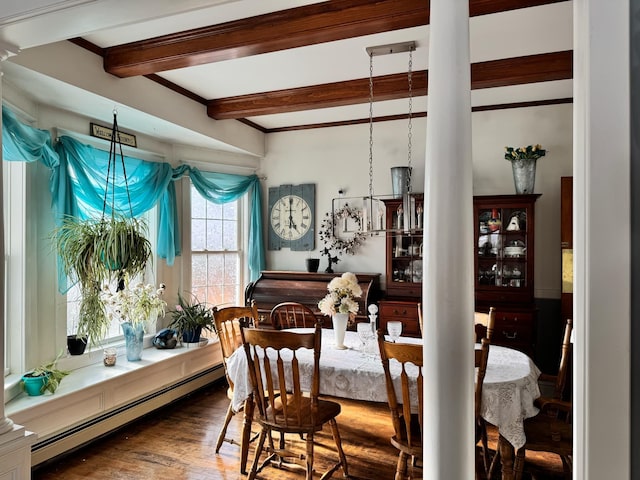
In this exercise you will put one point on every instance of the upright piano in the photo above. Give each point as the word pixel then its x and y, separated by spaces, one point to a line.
pixel 274 287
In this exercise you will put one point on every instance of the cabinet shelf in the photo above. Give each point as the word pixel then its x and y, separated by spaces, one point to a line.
pixel 506 281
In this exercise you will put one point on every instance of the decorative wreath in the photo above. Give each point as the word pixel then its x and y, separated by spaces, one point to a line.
pixel 340 245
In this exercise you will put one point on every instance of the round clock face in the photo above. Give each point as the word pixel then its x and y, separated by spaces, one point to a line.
pixel 290 217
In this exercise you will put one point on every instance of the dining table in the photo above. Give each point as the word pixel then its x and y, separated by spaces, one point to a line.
pixel 508 394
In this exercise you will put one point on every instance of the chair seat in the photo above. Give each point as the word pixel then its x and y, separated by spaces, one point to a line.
pixel 543 431
pixel 414 447
pixel 326 411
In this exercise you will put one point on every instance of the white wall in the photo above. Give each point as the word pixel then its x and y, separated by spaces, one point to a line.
pixel 335 158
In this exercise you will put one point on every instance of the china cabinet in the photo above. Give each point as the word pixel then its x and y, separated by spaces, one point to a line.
pixel 504 227
pixel 403 269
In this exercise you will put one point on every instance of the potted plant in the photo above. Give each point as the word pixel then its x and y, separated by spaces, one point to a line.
pixel 190 317
pixel 46 377
pixel 133 306
pixel 95 252
pixel 76 344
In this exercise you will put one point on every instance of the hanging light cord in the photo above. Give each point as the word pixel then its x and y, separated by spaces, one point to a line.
pixel 111 171
pixel 371 125
pixel 409 75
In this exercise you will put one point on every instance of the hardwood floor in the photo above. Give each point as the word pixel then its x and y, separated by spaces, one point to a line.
pixel 178 443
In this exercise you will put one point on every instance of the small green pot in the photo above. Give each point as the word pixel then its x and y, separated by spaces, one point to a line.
pixel 34 386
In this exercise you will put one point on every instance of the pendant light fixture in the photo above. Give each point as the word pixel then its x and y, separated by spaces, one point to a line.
pixel 372 208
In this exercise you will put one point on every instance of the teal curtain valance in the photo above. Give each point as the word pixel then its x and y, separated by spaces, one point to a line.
pixel 225 187
pixel 78 176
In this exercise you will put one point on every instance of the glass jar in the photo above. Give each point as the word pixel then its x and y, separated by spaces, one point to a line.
pixel 109 357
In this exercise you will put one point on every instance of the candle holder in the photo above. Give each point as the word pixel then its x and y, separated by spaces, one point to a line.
pixel 109 357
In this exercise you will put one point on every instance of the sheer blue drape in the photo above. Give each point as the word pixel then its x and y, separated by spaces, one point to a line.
pixel 24 143
pixel 82 180
pixel 78 176
pixel 225 187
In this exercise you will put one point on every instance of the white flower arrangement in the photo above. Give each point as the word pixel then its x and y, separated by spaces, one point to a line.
pixel 135 304
pixel 340 299
pixel 530 152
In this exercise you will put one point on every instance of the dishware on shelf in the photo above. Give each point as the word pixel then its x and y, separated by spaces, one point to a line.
pixel 394 328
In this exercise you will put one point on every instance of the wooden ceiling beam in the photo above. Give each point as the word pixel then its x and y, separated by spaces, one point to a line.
pixel 495 73
pixel 297 27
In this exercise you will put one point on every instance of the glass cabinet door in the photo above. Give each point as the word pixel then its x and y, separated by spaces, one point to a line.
pixel 404 249
pixel 504 236
pixel 502 247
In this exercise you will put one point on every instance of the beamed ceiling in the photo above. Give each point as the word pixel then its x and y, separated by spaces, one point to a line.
pixel 284 65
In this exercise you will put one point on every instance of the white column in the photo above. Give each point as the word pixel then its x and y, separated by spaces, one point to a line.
pixel 15 441
pixel 6 424
pixel 448 283
pixel 601 203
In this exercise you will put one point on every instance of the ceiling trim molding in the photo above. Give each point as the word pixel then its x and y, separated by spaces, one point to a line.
pixel 292 28
pixel 495 73
pixel 480 108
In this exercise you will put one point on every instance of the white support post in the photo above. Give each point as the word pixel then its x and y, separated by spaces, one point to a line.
pixel 448 281
pixel 15 441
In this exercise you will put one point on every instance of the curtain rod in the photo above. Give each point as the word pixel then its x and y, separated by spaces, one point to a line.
pixel 227 167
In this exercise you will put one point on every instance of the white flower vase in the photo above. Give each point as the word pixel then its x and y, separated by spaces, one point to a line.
pixel 339 327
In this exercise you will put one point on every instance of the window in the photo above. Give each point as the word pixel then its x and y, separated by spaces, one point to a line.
pixel 217 262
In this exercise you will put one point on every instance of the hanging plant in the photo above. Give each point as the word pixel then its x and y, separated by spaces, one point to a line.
pixel 95 252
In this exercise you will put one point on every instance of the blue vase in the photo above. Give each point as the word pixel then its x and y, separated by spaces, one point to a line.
pixel 133 339
pixel 192 336
pixel 34 385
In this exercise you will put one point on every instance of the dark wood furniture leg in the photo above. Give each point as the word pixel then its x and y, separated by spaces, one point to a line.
pixel 246 434
pixel 506 456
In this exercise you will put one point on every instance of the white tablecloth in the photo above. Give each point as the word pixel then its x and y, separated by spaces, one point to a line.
pixel 510 385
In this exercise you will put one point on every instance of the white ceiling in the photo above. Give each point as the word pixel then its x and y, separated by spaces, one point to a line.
pixel 29 24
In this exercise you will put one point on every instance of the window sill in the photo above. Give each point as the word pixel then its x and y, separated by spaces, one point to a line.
pixel 94 390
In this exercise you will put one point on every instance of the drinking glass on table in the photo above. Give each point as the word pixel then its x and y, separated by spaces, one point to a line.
pixel 395 329
pixel 364 333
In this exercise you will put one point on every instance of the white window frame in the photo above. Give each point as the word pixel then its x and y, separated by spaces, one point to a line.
pixel 243 218
pixel 15 207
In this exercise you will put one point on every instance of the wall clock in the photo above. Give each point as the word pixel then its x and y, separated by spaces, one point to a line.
pixel 292 217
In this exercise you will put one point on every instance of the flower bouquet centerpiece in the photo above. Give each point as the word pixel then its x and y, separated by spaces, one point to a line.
pixel 339 303
pixel 190 317
pixel 133 306
pixel 523 164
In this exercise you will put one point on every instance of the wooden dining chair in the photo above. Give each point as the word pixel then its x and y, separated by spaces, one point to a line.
pixel 481 361
pixel 551 429
pixel 292 315
pixel 484 324
pixel 299 410
pixel 229 322
pixel 406 409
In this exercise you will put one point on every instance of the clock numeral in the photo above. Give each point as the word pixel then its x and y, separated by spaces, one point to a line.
pixel 304 225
